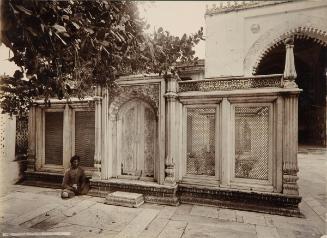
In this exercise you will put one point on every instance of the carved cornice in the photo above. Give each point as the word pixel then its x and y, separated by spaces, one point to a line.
pixel 231 84
pixel 229 6
pixel 144 77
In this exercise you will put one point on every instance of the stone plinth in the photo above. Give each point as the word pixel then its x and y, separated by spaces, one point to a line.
pixel 125 199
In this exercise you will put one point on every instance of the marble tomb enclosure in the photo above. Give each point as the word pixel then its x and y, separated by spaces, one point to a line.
pixel 217 135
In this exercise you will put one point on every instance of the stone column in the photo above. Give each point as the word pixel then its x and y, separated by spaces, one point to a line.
pixel 171 97
pixel 67 137
pixel 290 127
pixel 31 139
pixel 97 149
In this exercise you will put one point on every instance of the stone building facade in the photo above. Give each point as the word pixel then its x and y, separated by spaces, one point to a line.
pixel 250 35
pixel 223 136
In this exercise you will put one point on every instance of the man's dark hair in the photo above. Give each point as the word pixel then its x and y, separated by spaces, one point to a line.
pixel 75 157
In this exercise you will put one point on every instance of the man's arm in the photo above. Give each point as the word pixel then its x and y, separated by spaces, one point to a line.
pixel 82 178
pixel 65 182
pixel 83 186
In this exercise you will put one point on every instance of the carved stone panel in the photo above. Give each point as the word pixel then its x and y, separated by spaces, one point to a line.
pixel 129 141
pixel 149 145
pixel 137 143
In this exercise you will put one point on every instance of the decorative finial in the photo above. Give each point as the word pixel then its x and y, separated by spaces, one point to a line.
pixel 289 71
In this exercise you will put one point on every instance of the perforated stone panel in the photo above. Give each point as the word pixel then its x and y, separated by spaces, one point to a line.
pixel 200 141
pixel 21 135
pixel 7 137
pixel 3 120
pixel 251 142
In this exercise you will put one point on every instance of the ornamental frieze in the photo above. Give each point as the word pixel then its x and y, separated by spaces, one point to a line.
pixel 230 84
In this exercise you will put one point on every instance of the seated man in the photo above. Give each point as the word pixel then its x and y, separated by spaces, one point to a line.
pixel 74 182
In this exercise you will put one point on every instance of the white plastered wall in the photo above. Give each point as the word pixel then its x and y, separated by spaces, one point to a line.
pixel 235 40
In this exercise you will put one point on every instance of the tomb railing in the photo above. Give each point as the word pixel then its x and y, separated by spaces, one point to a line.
pixel 232 83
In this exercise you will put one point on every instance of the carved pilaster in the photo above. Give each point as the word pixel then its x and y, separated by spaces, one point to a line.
pixel 31 140
pixel 171 96
pixel 170 172
pixel 106 165
pixel 97 152
pixel 290 145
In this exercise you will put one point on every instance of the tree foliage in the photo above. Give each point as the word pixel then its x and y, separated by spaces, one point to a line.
pixel 66 47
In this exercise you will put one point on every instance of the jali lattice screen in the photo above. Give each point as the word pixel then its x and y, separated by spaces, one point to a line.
pixel 201 141
pixel 21 135
pixel 252 142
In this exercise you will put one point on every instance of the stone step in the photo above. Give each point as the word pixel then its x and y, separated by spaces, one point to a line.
pixel 125 199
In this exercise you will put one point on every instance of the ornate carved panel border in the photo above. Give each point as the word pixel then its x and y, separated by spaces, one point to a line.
pixel 148 92
pixel 231 84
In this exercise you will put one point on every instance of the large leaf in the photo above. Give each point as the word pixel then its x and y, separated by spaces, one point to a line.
pixel 59 28
pixel 24 10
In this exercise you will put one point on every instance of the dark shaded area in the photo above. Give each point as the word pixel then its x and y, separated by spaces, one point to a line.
pixel 311 68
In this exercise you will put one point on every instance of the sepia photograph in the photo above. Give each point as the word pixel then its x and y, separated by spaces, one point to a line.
pixel 163 119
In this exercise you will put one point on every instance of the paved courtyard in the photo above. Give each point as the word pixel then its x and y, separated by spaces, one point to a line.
pixel 33 209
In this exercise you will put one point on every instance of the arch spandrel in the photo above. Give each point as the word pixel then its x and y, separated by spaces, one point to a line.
pixel 147 93
pixel 307 27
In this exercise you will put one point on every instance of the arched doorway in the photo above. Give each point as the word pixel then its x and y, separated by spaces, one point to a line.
pixel 311 66
pixel 137 140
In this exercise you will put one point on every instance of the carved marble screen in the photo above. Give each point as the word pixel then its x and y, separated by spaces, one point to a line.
pixel 137 143
pixel 200 141
pixel 251 142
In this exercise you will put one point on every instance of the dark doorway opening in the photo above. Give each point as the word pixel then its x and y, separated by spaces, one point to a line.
pixel 311 67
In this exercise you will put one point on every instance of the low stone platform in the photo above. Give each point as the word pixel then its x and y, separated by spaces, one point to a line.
pixel 42 179
pixel 125 199
pixel 271 203
pixel 152 192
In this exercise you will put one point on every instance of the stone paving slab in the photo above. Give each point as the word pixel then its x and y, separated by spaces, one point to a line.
pixel 32 214
pixel 174 229
pixel 210 230
pixel 229 215
pixel 34 209
pixel 266 232
pixel 103 216
pixel 76 230
pixel 154 228
pixel 137 225
pixel 204 211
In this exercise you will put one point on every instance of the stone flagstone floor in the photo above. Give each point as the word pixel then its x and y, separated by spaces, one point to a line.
pixel 33 209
